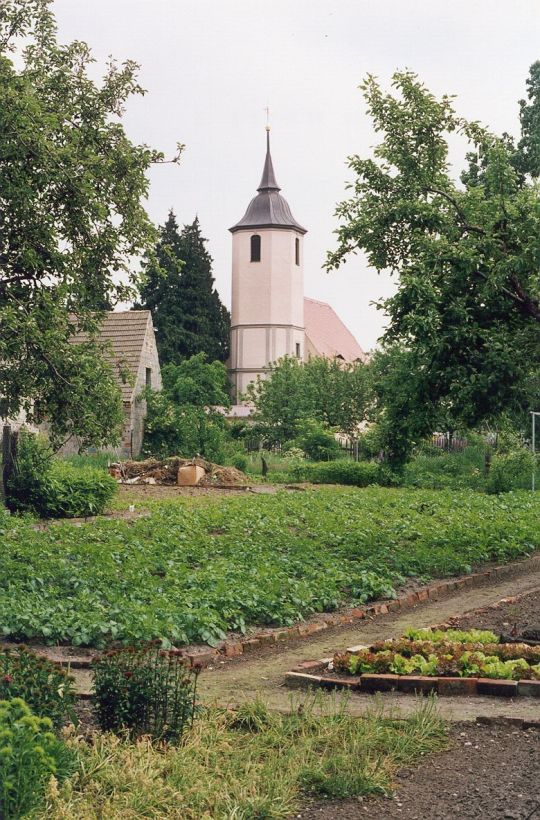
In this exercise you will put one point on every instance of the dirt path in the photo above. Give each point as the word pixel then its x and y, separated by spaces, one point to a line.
pixel 262 673
pixel 488 772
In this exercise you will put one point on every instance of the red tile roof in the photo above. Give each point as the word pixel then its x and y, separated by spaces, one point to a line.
pixel 327 333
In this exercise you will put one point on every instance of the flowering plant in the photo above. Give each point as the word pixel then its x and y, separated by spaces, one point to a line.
pixel 145 690
pixel 46 688
pixel 30 753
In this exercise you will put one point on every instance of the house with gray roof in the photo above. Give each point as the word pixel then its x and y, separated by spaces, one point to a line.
pixel 130 338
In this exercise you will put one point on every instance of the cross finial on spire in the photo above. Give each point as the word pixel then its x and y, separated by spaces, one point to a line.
pixel 267 109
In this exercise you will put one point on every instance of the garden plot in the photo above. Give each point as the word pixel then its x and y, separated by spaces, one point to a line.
pixel 197 572
pixel 445 661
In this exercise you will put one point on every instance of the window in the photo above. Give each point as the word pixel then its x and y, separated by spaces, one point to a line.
pixel 297 250
pixel 149 377
pixel 256 248
pixel 297 345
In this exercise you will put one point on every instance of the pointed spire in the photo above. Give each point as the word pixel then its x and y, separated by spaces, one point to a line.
pixel 268 179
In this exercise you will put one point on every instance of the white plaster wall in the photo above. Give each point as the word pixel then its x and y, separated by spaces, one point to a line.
pixel 270 291
pixel 267 311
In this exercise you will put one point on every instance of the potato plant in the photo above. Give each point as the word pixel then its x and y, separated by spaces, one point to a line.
pixel 193 571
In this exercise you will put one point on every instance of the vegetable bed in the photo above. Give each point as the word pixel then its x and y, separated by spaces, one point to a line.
pixel 191 572
pixel 451 653
pixel 448 662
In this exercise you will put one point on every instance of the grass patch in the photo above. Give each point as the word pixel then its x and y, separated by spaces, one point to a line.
pixel 441 470
pixel 100 459
pixel 248 764
pixel 189 572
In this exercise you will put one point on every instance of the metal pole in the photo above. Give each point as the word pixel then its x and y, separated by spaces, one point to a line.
pixel 534 415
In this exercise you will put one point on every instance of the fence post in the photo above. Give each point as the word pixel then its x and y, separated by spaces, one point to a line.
pixel 10 442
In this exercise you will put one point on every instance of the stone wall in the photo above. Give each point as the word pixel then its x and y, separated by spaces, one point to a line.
pixel 135 409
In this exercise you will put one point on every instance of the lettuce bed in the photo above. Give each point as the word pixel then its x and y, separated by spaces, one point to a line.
pixel 444 654
pixel 192 571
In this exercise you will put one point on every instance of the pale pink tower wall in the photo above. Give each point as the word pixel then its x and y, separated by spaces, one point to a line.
pixel 267 312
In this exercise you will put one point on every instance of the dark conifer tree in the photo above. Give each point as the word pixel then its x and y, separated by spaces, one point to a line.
pixel 179 290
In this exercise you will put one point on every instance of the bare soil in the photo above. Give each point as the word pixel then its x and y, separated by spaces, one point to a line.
pixel 488 773
pixel 163 492
pixel 516 613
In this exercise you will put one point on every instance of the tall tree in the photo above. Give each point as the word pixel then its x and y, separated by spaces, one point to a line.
pixel 182 418
pixel 329 391
pixel 178 288
pixel 465 320
pixel 71 218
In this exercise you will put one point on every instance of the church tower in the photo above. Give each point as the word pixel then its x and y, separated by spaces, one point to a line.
pixel 267 311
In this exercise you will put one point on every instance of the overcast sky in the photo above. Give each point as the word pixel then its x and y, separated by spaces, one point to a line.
pixel 211 66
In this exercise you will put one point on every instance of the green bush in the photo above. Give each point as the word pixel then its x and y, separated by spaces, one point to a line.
pixel 68 492
pixel 436 469
pixel 145 690
pixel 371 442
pixel 240 461
pixel 354 473
pixel 47 689
pixel 30 754
pixel 52 488
pixel 33 463
pixel 317 442
pixel 510 471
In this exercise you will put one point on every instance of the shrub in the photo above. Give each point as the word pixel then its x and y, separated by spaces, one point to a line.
pixel 433 468
pixel 355 473
pixel 68 492
pixel 30 754
pixel 145 690
pixel 317 443
pixel 240 461
pixel 292 453
pixel 371 442
pixel 510 471
pixel 33 463
pixel 52 488
pixel 47 689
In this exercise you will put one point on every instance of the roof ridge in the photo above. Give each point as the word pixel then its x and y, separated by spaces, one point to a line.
pixel 318 302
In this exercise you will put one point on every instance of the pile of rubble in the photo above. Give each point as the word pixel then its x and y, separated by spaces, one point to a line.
pixel 180 471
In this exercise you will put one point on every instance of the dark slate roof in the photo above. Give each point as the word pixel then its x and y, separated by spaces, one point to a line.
pixel 125 332
pixel 268 209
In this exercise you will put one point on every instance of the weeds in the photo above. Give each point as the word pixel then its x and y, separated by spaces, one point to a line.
pixel 249 764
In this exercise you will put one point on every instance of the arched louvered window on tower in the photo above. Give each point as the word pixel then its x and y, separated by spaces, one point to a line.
pixel 255 248
pixel 297 250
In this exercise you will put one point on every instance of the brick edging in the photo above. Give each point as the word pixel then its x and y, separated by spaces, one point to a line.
pixel 234 647
pixel 306 676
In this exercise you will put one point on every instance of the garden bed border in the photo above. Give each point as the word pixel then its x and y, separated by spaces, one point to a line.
pixel 204 656
pixel 310 674
pixel 231 648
